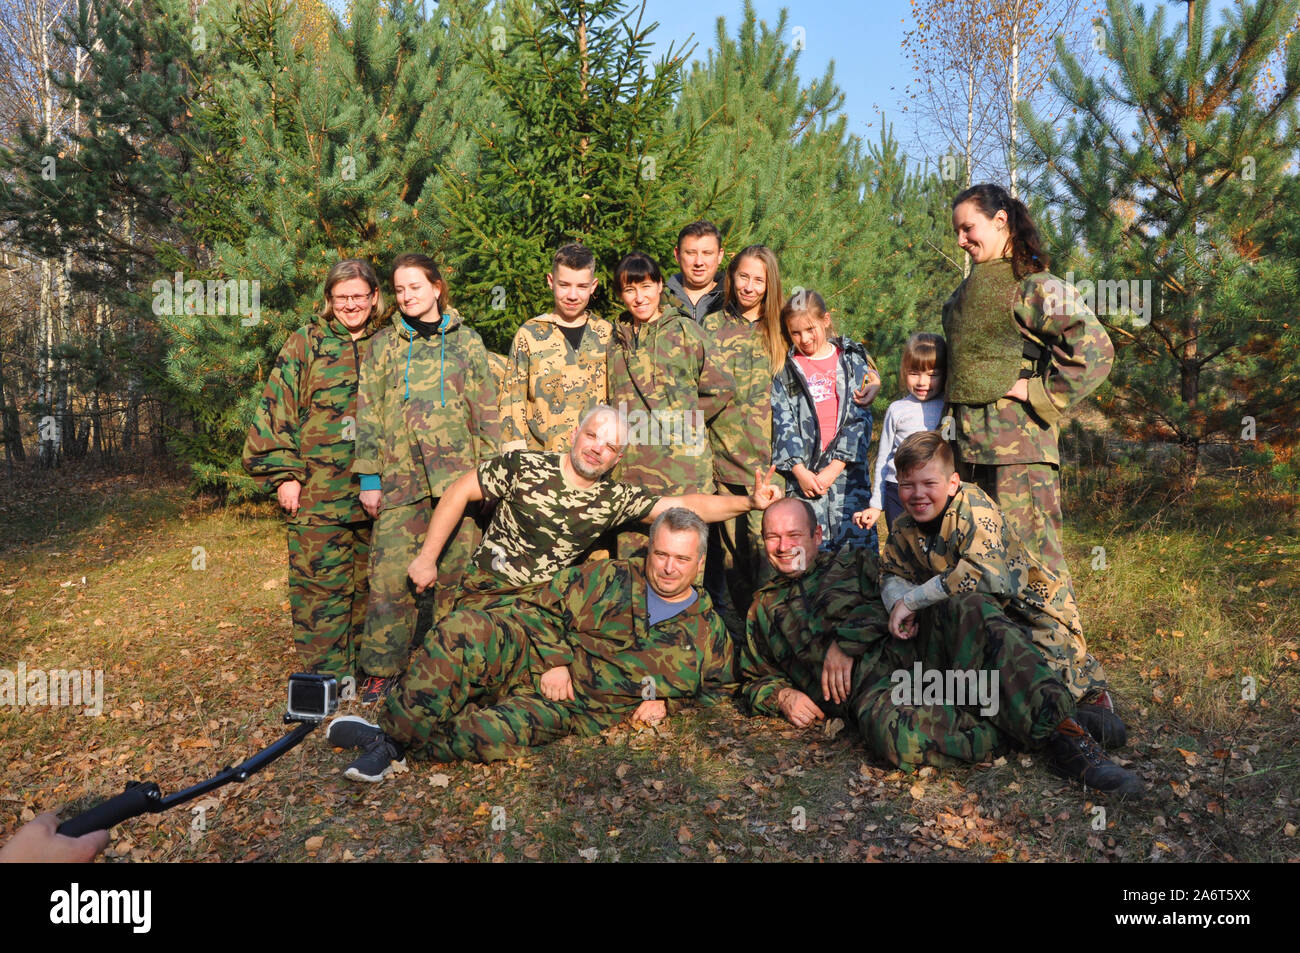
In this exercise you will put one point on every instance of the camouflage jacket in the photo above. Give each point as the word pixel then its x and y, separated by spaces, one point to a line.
pixel 970 550
pixel 593 618
pixel 1076 356
pixel 426 410
pixel 796 434
pixel 667 385
pixel 741 437
pixel 549 386
pixel 306 423
pixel 793 621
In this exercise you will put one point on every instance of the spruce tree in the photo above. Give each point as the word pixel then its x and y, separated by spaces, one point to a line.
pixel 323 140
pixel 1174 177
pixel 583 150
pixel 778 167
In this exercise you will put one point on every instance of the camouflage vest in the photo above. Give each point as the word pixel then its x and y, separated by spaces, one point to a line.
pixel 984 343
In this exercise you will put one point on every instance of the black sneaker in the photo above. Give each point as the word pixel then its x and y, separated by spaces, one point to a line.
pixel 376 687
pixel 377 762
pixel 351 731
pixel 1073 754
pixel 1096 713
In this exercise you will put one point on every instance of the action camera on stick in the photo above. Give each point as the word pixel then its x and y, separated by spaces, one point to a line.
pixel 312 699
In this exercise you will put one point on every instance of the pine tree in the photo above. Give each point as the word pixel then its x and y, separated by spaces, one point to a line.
pixel 778 167
pixel 583 150
pixel 1190 205
pixel 316 144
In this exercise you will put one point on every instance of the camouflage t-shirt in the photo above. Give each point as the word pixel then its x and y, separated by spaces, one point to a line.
pixel 542 523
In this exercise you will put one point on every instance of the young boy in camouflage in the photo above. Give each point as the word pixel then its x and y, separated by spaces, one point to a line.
pixel 557 360
pixel 604 641
pixel 818 645
pixel 952 539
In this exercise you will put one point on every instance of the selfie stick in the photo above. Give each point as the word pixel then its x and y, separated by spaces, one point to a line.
pixel 146 798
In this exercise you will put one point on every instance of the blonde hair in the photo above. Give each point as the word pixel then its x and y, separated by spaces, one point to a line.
pixel 346 270
pixel 769 312
pixel 923 352
pixel 809 302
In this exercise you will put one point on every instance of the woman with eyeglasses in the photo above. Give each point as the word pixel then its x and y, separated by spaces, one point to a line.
pixel 301 446
pixel 427 413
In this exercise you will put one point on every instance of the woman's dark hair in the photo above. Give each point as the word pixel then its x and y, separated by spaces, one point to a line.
pixel 426 265
pixel 1027 253
pixel 635 268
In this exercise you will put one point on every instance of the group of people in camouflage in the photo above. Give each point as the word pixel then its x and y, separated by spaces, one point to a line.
pixel 511 496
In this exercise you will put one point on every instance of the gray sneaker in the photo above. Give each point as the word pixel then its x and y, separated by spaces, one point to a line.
pixel 377 761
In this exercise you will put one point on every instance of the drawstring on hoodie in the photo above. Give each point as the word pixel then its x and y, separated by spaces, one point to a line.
pixel 442 359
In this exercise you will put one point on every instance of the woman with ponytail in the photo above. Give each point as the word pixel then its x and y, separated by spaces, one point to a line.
pixel 1023 349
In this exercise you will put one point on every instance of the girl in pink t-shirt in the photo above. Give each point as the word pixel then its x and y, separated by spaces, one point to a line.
pixel 821 424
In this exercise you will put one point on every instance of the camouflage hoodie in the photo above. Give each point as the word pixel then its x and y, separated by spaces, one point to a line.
pixel 306 423
pixel 667 384
pixel 426 409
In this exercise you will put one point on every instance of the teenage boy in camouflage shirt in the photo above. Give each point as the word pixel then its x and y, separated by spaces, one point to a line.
pixel 557 360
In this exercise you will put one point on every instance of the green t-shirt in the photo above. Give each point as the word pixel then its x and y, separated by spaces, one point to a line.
pixel 542 523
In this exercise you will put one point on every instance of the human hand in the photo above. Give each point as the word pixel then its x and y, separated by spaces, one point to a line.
pixel 372 501
pixel 865 519
pixel 902 621
pixel 808 481
pixel 288 493
pixel 800 710
pixel 837 674
pixel 423 572
pixel 865 394
pixel 557 686
pixel 38 842
pixel 1019 390
pixel 765 491
pixel 829 474
pixel 650 712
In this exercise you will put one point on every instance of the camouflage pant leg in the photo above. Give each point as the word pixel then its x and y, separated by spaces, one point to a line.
pixel 456 559
pixel 971 633
pixel 394 606
pixel 470 658
pixel 732 569
pixel 504 730
pixel 1029 496
pixel 910 735
pixel 327 594
pixel 1067 654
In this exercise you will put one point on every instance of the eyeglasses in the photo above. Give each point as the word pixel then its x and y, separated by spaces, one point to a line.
pixel 351 299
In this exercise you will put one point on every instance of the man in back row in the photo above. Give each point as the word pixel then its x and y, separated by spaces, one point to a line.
pixel 697 289
pixel 552 507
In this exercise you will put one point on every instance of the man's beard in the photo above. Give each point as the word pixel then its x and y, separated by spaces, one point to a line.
pixel 580 467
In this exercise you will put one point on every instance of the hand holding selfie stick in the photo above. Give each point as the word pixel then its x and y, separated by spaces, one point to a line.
pixel 312 699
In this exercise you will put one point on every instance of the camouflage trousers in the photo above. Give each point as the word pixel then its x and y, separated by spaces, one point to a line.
pixel 850 492
pixel 391 617
pixel 1029 496
pixel 327 594
pixel 736 565
pixel 470 694
pixel 909 726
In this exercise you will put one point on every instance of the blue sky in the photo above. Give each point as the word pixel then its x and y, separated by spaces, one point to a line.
pixel 864 39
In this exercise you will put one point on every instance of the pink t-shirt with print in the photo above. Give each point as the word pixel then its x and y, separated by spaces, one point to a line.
pixel 821 383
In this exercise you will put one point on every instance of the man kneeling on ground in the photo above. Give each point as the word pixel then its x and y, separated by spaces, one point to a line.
pixel 819 631
pixel 603 641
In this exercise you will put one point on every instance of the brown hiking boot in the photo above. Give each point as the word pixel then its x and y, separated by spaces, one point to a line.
pixel 1096 713
pixel 1072 753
